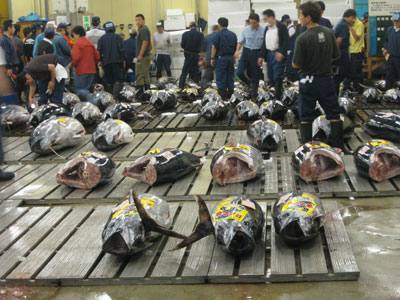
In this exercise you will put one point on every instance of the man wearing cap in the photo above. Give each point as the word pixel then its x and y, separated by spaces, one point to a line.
pixel 143 56
pixel 251 39
pixel 8 46
pixel 207 74
pixel 111 50
pixel 223 48
pixel 356 53
pixel 63 50
pixel 192 42
pixel 39 38
pixel 46 45
pixel 274 51
pixel 96 32
pixel 130 54
pixel 161 41
pixel 291 73
pixel 392 48
pixel 30 42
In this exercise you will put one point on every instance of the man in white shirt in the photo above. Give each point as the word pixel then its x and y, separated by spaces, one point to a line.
pixel 96 32
pixel 161 41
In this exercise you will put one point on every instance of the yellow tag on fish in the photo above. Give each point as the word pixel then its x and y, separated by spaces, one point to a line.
pixel 155 151
pixel 153 91
pixel 125 210
pixel 62 121
pixel 307 195
pixel 272 121
pixel 244 147
pixel 230 212
pixel 379 143
pixel 86 153
pixel 320 145
pixel 119 122
pixel 266 103
pixel 147 201
pixel 253 102
pixel 323 117
pixel 300 205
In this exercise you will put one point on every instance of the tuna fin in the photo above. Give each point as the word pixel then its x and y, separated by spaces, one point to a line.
pixel 203 228
pixel 149 223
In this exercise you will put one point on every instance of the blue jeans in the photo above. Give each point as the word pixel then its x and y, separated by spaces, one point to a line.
pixel 342 68
pixel 276 69
pixel 82 84
pixel 191 67
pixel 163 60
pixel 225 69
pixel 249 62
pixel 56 96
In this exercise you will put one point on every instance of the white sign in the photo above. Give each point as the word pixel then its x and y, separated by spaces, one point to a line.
pixel 61 19
pixel 383 7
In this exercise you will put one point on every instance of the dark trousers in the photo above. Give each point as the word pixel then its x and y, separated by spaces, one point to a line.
pixel 1 141
pixel 290 72
pixel 275 69
pixel 56 96
pixel 207 74
pixel 191 68
pixel 392 70
pixel 163 60
pixel 82 85
pixel 249 62
pixel 321 89
pixel 224 71
pixel 113 73
pixel 356 60
pixel 342 69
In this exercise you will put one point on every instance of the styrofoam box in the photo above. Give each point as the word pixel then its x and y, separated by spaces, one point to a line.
pixel 190 17
pixel 177 62
pixel 228 6
pixel 235 19
pixel 176 18
pixel 176 37
pixel 174 24
pixel 174 12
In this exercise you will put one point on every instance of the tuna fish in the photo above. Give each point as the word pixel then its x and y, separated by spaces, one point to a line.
pixel 160 166
pixel 273 109
pixel 190 94
pixel 378 160
pixel 86 113
pixel 263 96
pixel 120 111
pixel 46 111
pixel 88 170
pixel 266 134
pixel 210 96
pixel 237 223
pixel 236 164
pixel 346 107
pixel 134 223
pixel 321 128
pixel 70 99
pixel 165 83
pixel 298 217
pixel 247 110
pixel 14 115
pixel 237 97
pixel 392 96
pixel 384 125
pixel 163 100
pixel 372 95
pixel 128 93
pixel 317 161
pixel 214 110
pixel 56 133
pixel 103 99
pixel 290 96
pixel 380 85
pixel 110 134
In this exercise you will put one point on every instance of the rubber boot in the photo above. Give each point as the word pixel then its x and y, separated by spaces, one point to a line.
pixel 139 92
pixel 4 176
pixel 306 133
pixel 147 87
pixel 117 90
pixel 336 137
pixel 229 94
pixel 278 89
pixel 222 93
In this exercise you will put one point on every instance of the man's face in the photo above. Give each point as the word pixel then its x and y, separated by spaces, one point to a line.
pixel 69 29
pixel 254 24
pixel 29 79
pixel 62 32
pixel 160 29
pixel 303 19
pixel 12 29
pixel 351 20
pixel 269 20
pixel 139 22
pixel 396 24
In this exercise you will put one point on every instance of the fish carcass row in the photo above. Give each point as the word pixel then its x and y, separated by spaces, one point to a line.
pixel 162 100
pixel 160 166
pixel 392 96
pixel 46 111
pixel 56 133
pixel 298 217
pixel 247 110
pixel 134 225
pixel 378 160
pixel 102 99
pixel 70 99
pixel 86 113
pixel 111 134
pixel 14 115
pixel 265 134
pixel 235 222
pixel 316 161
pixel 384 125
pixel 87 171
pixel 237 163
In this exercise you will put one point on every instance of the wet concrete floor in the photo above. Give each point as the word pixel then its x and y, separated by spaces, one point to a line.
pixel 374 229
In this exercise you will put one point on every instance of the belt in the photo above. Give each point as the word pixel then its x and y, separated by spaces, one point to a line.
pixel 253 50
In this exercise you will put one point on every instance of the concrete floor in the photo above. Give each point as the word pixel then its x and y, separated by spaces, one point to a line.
pixel 374 229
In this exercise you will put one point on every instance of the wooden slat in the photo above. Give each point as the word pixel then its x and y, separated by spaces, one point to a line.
pixel 8 217
pixel 203 180
pixel 129 148
pixel 21 172
pixel 181 186
pixel 37 259
pixel 189 141
pixel 313 258
pixel 292 140
pixel 146 145
pixel 359 183
pixel 337 184
pixel 288 184
pixel 7 205
pixel 271 176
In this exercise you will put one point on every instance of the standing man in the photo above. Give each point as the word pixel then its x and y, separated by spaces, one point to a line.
pixel 29 43
pixel 62 49
pixel 6 42
pixel 20 47
pixel 161 41
pixel 223 49
pixel 392 48
pixel 40 37
pixel 251 40
pixel 111 50
pixel 291 73
pixel 356 53
pixel 314 52
pixel 274 51
pixel 342 33
pixel 130 54
pixel 207 73
pixel 96 32
pixel 143 56
pixel 192 42
pixel 46 45
pixel 323 21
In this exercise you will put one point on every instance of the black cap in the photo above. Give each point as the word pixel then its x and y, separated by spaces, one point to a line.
pixel 285 17
pixel 62 26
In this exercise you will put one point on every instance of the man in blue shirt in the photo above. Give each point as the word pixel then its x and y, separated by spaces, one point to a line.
pixel 207 73
pixel 342 33
pixel 251 40
pixel 39 38
pixel 392 48
pixel 223 49
pixel 61 46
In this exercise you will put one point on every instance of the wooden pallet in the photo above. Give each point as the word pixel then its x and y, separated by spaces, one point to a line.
pixel 62 246
pixel 36 184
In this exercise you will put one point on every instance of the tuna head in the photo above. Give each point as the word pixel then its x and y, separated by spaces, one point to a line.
pixel 46 135
pixel 143 170
pixel 267 134
pixel 247 110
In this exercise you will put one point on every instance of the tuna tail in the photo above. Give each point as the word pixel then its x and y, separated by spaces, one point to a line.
pixel 149 223
pixel 203 228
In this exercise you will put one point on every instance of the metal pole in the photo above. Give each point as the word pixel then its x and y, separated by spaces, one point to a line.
pixel 68 13
pixel 197 13
pixel 46 8
pixel 10 9
pixel 158 10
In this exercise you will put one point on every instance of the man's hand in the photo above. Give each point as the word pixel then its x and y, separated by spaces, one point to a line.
pixel 260 62
pixel 51 85
pixel 100 64
pixel 212 62
pixel 31 101
pixel 385 52
pixel 9 72
pixel 279 56
pixel 139 58
pixel 236 55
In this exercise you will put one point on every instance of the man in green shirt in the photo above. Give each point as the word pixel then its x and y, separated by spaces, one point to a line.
pixel 143 56
pixel 315 49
